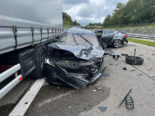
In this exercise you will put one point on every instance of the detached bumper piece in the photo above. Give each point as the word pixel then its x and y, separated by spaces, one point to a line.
pixel 59 76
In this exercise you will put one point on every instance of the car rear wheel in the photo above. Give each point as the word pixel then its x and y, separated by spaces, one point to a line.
pixel 117 44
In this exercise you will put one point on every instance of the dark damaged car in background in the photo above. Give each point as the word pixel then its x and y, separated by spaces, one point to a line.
pixel 111 38
pixel 75 60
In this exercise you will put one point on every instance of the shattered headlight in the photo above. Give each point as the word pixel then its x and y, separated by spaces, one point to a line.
pixel 68 64
pixel 74 64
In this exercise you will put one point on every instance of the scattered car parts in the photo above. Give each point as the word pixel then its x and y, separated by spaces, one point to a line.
pixel 125 98
pixel 134 60
pixel 102 108
pixel 115 55
pixel 124 68
pixel 129 103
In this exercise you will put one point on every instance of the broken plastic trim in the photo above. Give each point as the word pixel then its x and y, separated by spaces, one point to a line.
pixel 97 76
pixel 72 80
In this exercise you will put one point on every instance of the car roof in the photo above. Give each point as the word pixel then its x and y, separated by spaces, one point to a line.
pixel 78 30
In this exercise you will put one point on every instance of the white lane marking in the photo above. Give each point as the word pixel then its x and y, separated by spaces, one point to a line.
pixel 23 105
pixel 55 98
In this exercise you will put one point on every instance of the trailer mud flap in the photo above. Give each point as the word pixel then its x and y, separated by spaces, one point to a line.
pixel 27 62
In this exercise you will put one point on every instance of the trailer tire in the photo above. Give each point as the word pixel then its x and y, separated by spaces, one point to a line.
pixel 40 62
pixel 134 60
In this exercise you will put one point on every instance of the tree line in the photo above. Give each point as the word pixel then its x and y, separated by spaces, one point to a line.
pixel 135 12
pixel 67 20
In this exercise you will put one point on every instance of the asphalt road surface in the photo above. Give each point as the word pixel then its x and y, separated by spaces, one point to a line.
pixel 102 97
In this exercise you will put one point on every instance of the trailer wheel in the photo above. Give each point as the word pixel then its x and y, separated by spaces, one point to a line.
pixel 39 70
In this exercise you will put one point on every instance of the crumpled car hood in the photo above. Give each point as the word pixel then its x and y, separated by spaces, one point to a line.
pixel 82 52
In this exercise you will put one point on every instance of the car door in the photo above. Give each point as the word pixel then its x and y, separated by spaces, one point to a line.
pixel 107 36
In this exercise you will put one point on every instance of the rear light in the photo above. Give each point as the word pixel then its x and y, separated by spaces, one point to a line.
pixel 20 78
pixel 125 36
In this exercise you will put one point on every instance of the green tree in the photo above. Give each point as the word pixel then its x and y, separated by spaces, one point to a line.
pixel 67 20
pixel 107 21
pixel 134 12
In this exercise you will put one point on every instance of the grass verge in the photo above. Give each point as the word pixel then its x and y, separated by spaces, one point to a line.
pixel 144 42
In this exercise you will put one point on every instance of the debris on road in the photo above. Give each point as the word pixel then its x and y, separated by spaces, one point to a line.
pixel 124 98
pixel 124 55
pixel 102 108
pixel 124 68
pixel 134 60
pixel 98 88
pixel 129 103
pixel 115 55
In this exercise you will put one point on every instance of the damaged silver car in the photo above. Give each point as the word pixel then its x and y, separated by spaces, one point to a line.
pixel 75 60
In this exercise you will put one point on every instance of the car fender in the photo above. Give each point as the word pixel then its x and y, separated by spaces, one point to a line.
pixel 116 37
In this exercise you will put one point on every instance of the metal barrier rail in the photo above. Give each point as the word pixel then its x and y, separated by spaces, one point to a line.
pixel 142 36
pixel 6 74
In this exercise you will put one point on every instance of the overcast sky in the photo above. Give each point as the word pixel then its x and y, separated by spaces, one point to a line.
pixel 89 11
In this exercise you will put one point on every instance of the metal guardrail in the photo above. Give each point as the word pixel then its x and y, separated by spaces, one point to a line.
pixel 142 36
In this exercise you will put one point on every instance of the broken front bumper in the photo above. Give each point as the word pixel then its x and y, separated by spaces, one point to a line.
pixel 58 75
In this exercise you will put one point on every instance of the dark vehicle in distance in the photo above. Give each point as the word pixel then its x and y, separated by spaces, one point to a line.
pixel 75 59
pixel 111 38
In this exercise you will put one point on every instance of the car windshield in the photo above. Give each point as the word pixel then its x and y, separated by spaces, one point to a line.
pixel 79 39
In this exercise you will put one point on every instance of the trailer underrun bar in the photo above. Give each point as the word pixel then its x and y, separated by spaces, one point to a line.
pixel 5 75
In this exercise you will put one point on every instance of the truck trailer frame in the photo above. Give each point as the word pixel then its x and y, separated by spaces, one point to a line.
pixel 23 41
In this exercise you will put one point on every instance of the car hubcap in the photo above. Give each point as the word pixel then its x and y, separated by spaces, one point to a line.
pixel 117 44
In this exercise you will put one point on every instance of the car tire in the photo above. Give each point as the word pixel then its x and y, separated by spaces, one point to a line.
pixel 117 43
pixel 134 60
pixel 39 70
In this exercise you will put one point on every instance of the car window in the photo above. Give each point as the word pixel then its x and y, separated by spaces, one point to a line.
pixel 108 31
